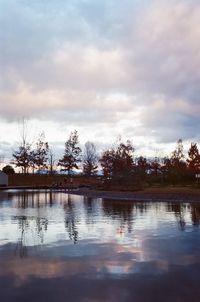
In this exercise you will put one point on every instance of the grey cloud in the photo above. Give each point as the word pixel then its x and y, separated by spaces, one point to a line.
pixel 165 49
pixel 5 153
pixel 62 60
pixel 169 125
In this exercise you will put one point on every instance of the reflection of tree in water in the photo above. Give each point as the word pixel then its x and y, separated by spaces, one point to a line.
pixel 121 210
pixel 23 200
pixel 30 227
pixel 88 204
pixel 179 211
pixel 37 226
pixel 89 208
pixel 71 220
pixel 21 247
pixel 140 207
pixel 195 214
pixel 26 199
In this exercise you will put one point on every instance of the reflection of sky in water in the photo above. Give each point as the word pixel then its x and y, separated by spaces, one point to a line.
pixel 59 236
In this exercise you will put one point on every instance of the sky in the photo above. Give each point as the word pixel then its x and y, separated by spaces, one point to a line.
pixel 107 68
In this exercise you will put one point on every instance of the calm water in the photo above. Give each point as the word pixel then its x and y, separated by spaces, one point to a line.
pixel 60 247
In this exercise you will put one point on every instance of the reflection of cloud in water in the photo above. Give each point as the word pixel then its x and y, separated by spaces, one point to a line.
pixel 98 278
pixel 100 260
pixel 144 244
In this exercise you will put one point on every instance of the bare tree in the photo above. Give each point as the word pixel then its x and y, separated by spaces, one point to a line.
pixel 177 154
pixel 22 156
pixel 142 166
pixel 90 159
pixel 178 164
pixel 51 161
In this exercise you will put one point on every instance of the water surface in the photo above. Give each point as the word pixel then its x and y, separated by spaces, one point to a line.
pixel 60 247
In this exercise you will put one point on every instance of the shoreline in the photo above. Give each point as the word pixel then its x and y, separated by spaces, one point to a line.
pixel 168 194
pixel 139 195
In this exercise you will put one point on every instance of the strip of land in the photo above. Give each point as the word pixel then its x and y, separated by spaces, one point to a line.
pixel 152 194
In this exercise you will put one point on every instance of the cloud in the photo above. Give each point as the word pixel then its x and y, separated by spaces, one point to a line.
pixel 104 63
pixel 163 65
pixel 166 49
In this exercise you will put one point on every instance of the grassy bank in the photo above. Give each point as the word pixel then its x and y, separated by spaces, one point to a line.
pixel 32 180
pixel 95 183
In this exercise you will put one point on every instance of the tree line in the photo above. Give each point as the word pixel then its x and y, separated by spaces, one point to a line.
pixel 118 163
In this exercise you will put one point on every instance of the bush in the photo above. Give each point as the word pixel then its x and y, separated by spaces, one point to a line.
pixel 8 170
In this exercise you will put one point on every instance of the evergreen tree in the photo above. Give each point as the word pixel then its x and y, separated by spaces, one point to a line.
pixel 22 157
pixel 39 156
pixel 71 157
pixel 107 162
pixel 118 162
pixel 193 160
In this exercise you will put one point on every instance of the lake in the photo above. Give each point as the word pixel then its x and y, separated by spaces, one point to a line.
pixel 60 247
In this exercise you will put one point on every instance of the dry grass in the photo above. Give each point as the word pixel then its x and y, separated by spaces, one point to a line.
pixel 96 184
pixel 47 180
pixel 174 189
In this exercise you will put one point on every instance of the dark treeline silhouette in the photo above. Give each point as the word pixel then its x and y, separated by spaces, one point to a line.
pixel 120 167
pixel 117 165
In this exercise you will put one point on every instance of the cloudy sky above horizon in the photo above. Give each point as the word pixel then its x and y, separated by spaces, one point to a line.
pixel 103 67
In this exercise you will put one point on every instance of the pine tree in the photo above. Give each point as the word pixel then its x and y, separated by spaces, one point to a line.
pixel 39 156
pixel 22 157
pixel 193 160
pixel 71 156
